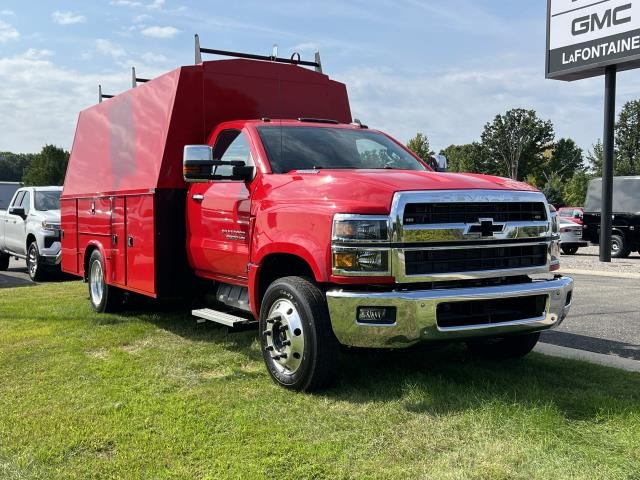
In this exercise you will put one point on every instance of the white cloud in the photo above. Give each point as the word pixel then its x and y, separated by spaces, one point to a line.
pixel 7 32
pixel 110 49
pixel 35 90
pixel 7 12
pixel 153 58
pixel 141 18
pixel 126 3
pixel 67 18
pixel 160 32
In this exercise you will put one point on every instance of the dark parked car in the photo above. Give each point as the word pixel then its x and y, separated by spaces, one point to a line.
pixel 625 231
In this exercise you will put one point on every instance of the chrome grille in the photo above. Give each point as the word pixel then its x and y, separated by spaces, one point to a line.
pixel 430 213
pixel 425 262
pixel 467 234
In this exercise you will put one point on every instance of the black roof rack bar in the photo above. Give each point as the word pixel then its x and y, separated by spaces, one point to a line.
pixel 293 60
pixel 136 80
pixel 102 95
pixel 318 120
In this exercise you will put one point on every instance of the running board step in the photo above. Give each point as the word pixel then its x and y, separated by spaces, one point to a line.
pixel 220 317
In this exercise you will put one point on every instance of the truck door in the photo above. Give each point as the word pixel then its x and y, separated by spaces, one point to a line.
pixel 218 215
pixel 16 227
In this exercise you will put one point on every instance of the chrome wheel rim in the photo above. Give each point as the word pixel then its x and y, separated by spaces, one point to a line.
pixel 96 283
pixel 615 246
pixel 33 261
pixel 284 336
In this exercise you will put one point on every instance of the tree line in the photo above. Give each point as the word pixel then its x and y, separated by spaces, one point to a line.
pixel 520 145
pixel 47 167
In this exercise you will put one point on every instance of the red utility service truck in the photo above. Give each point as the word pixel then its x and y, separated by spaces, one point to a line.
pixel 249 176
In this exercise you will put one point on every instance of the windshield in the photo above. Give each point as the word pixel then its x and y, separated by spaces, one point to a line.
pixel 47 200
pixel 302 148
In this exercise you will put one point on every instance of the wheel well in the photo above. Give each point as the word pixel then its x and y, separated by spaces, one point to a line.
pixel 618 232
pixel 30 238
pixel 85 263
pixel 281 265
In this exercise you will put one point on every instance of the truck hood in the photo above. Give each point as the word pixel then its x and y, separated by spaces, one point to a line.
pixel 48 215
pixel 371 191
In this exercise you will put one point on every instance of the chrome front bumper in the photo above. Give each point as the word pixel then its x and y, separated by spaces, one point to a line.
pixel 416 317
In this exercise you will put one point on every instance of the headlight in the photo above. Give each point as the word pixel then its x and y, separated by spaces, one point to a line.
pixel 360 228
pixel 50 226
pixel 363 261
pixel 349 255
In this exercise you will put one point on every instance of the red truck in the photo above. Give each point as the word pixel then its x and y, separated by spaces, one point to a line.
pixel 248 175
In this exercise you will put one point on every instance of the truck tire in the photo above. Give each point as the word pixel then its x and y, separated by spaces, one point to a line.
pixel 619 248
pixel 516 346
pixel 569 250
pixel 104 298
pixel 298 345
pixel 4 261
pixel 35 269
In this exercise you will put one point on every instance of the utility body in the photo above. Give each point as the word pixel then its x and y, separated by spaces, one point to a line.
pixel 250 176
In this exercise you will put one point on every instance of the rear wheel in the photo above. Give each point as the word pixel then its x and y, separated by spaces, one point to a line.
pixel 619 248
pixel 504 348
pixel 104 298
pixel 4 261
pixel 36 273
pixel 298 344
pixel 569 250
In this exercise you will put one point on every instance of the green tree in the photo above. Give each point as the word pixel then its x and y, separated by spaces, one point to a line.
pixel 420 146
pixel 14 165
pixel 627 135
pixel 471 158
pixel 554 190
pixel 566 159
pixel 48 167
pixel 575 190
pixel 595 159
pixel 516 140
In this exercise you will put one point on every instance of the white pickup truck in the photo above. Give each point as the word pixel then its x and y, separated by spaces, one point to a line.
pixel 30 229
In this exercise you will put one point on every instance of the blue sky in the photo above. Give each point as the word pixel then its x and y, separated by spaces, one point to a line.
pixel 442 67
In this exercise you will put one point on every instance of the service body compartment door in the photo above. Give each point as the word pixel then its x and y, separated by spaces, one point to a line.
pixel 118 270
pixel 69 223
pixel 140 244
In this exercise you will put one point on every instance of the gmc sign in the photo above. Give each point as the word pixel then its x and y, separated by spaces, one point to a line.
pixel 585 36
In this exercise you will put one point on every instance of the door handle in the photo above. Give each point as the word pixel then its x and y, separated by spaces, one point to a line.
pixel 130 241
pixel 197 197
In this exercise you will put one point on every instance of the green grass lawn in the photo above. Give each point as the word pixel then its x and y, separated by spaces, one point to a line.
pixel 152 394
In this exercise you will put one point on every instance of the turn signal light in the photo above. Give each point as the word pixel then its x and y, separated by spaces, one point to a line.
pixel 345 260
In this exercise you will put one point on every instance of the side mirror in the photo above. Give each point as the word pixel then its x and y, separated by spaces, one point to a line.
pixel 197 163
pixel 18 211
pixel 441 162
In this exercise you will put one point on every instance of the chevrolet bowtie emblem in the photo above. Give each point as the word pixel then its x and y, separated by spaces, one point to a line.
pixel 485 227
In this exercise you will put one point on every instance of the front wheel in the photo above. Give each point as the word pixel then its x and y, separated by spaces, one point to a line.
pixel 104 298
pixel 619 248
pixel 34 266
pixel 504 348
pixel 569 250
pixel 298 345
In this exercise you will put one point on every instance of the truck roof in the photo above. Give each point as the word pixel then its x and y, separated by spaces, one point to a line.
pixel 133 142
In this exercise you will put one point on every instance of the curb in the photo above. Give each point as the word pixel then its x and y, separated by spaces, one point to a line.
pixel 600 273
pixel 599 358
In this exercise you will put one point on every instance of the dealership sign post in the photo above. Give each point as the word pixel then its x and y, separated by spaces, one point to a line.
pixel 586 38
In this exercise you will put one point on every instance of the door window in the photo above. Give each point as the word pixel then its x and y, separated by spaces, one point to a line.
pixel 18 199
pixel 231 145
pixel 25 202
